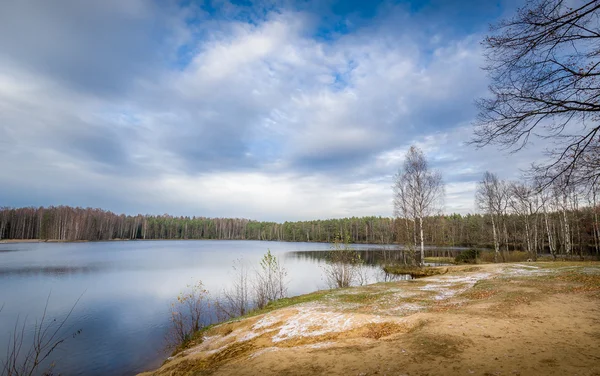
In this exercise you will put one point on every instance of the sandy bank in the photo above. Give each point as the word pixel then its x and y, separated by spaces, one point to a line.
pixel 511 319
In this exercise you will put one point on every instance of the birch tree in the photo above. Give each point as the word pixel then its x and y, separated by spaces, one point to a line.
pixel 492 197
pixel 593 200
pixel 546 208
pixel 521 200
pixel 419 191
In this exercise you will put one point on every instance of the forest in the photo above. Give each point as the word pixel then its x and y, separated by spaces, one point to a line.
pixel 539 223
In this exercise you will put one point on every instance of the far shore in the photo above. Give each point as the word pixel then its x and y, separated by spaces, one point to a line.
pixel 13 241
pixel 9 241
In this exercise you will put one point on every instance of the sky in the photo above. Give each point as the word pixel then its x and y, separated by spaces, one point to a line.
pixel 271 110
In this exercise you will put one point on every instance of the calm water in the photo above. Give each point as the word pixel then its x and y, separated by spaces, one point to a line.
pixel 126 289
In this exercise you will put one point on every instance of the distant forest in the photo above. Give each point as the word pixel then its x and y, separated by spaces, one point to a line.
pixel 71 224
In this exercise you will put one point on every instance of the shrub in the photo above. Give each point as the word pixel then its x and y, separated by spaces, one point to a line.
pixel 468 257
pixel 187 314
pixel 270 282
pixel 344 265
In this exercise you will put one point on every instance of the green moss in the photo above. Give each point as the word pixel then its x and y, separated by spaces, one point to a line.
pixel 287 302
pixel 414 272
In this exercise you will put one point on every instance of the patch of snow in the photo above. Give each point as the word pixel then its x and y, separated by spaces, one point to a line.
pixel 248 336
pixel 309 323
pixel 209 338
pixel 406 307
pixel 263 351
pixel 267 321
pixel 210 352
pixel 524 270
pixel 320 345
pixel 588 270
pixel 527 266
pixel 445 294
pixel 444 285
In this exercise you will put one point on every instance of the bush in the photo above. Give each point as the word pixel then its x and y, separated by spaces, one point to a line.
pixel 344 266
pixel 467 257
pixel 270 282
pixel 188 314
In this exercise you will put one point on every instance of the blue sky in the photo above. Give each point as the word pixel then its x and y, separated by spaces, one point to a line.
pixel 273 110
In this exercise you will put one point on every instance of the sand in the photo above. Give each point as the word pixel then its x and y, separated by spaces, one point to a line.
pixel 510 319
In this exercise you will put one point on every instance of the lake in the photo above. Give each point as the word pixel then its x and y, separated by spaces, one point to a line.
pixel 126 289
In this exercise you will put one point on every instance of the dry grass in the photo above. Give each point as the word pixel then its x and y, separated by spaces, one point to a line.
pixel 505 256
pixel 384 329
pixel 429 345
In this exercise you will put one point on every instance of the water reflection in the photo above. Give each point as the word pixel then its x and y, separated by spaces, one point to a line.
pixel 372 257
pixel 49 270
pixel 377 256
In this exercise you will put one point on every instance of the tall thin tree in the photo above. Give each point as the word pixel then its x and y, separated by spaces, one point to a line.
pixel 419 191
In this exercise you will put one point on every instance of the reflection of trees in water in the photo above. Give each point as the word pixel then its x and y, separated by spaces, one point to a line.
pixel 382 276
pixel 49 270
pixel 370 257
pixel 375 257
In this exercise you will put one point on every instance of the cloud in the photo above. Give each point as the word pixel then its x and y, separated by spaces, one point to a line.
pixel 279 111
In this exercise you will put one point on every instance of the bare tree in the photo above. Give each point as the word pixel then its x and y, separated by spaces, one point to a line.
pixel 522 200
pixel 404 212
pixel 24 357
pixel 418 191
pixel 592 196
pixel 546 200
pixel 492 197
pixel 562 194
pixel 544 66
pixel 236 299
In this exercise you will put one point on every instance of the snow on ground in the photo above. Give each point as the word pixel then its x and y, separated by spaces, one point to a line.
pixel 524 270
pixel 263 351
pixel 448 285
pixel 309 323
pixel 526 266
pixel 318 318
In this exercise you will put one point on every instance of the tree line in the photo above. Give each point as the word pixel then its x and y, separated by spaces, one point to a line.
pixel 519 229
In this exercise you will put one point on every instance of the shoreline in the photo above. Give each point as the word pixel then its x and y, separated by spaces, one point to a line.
pixel 16 241
pixel 473 319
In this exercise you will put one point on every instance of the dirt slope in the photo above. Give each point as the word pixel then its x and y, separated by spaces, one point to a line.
pixel 515 319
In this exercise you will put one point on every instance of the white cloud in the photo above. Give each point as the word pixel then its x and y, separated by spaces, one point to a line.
pixel 262 119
